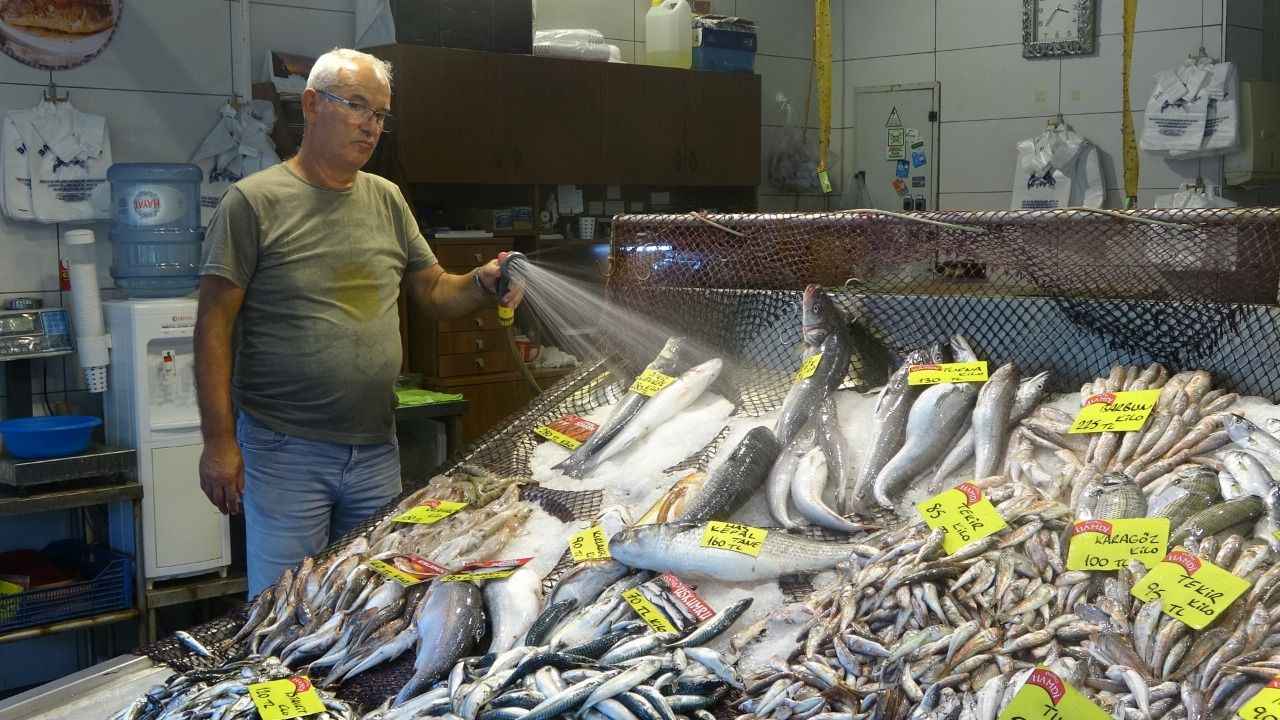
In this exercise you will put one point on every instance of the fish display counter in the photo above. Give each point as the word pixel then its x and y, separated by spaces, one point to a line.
pixel 818 504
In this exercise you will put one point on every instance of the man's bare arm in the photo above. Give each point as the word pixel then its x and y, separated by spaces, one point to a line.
pixel 446 296
pixel 221 466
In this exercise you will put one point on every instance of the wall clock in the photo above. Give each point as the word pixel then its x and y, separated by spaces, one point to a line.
pixel 1054 28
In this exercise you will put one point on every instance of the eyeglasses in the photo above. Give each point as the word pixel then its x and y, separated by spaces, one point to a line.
pixel 362 111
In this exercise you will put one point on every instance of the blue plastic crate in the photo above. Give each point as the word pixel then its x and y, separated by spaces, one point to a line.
pixel 111 589
pixel 724 50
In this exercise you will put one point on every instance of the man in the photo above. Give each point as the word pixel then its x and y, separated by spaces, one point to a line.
pixel 304 262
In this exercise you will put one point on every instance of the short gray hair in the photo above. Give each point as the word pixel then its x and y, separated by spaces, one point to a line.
pixel 326 71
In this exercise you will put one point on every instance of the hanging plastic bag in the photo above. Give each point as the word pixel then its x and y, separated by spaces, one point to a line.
pixel 239 145
pixel 1222 116
pixel 1178 109
pixel 793 163
pixel 1192 196
pixel 1056 169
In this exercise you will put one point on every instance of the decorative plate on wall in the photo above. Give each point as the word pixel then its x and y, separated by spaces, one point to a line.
pixel 57 34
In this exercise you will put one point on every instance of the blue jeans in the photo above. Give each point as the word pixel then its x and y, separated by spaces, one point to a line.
pixel 300 495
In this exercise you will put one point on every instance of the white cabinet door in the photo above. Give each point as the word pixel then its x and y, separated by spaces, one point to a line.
pixel 187 528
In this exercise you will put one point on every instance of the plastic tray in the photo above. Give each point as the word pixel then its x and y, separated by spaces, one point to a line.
pixel 112 589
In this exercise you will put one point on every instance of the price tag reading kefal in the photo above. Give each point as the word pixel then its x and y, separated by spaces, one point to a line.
pixel 808 367
pixel 1194 591
pixel 289 698
pixel 1115 412
pixel 647 611
pixel 589 544
pixel 429 512
pixel 1263 706
pixel 568 432
pixel 650 383
pixel 934 373
pixel 963 514
pixel 732 536
pixel 1099 545
pixel 1044 696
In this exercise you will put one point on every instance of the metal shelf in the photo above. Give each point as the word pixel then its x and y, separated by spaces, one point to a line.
pixel 80 623
pixel 17 504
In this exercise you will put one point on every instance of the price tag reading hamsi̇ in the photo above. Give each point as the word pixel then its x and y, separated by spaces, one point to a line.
pixel 647 611
pixel 429 512
pixel 568 432
pixel 1192 590
pixel 292 697
pixel 1044 696
pixel 650 383
pixel 964 515
pixel 1103 545
pixel 808 367
pixel 1115 412
pixel 589 544
pixel 732 536
pixel 934 373
pixel 1263 706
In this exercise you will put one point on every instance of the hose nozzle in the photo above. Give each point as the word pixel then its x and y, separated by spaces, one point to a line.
pixel 509 264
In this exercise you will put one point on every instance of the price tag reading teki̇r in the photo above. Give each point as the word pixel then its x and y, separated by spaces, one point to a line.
pixel 589 544
pixel 1115 412
pixel 1044 696
pixel 934 373
pixel 647 611
pixel 568 432
pixel 808 367
pixel 408 569
pixel 429 512
pixel 650 383
pixel 963 514
pixel 732 536
pixel 486 570
pixel 1263 706
pixel 1100 545
pixel 289 698
pixel 1194 591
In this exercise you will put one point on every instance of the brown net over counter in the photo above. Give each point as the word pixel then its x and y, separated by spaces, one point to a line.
pixel 1070 291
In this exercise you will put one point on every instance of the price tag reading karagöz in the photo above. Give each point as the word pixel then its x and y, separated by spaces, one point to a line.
pixel 964 515
pixel 1263 706
pixel 1101 545
pixel 650 383
pixel 1192 590
pixel 647 611
pixel 808 367
pixel 429 512
pixel 1115 412
pixel 732 536
pixel 934 373
pixel 292 697
pixel 589 544
pixel 1044 696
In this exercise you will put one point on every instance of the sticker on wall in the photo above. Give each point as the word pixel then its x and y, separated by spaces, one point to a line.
pixel 899 186
pixel 918 158
pixel 894 120
pixel 903 170
pixel 913 136
pixel 895 144
pixel 918 181
pixel 57 35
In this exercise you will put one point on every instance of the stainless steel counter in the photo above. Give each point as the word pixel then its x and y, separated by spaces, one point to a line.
pixel 95 692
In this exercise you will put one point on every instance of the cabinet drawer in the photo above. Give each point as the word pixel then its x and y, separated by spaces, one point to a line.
pixel 476 363
pixel 484 320
pixel 472 342
pixel 460 258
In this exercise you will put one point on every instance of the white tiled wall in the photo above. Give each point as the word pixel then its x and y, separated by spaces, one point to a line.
pixel 992 97
pixel 159 84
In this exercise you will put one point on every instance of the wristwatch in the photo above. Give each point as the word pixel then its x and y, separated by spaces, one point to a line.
pixel 475 275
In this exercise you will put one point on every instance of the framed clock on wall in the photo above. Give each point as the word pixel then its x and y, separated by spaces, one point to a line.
pixel 1054 28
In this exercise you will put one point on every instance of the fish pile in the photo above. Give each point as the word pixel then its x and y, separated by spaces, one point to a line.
pixel 221 692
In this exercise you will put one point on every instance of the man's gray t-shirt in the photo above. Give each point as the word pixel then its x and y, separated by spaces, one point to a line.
pixel 318 336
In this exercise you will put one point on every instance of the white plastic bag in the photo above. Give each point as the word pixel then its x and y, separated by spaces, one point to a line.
pixel 1190 196
pixel 1057 169
pixel 792 162
pixel 1222 117
pixel 573 44
pixel 1177 110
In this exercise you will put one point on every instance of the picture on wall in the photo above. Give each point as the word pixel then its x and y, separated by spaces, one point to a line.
pixel 57 34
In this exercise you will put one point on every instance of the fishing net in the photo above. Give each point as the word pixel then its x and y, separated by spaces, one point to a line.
pixel 1070 291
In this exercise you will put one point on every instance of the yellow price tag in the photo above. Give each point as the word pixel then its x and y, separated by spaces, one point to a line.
pixel 647 611
pixel 589 544
pixel 963 514
pixel 1194 591
pixel 808 367
pixel 289 698
pixel 732 536
pixel 650 383
pixel 1045 696
pixel 824 180
pixel 1264 705
pixel 557 437
pixel 934 373
pixel 479 575
pixel 429 512
pixel 414 570
pixel 1115 412
pixel 1101 545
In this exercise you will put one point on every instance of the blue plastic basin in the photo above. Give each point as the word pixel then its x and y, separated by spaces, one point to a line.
pixel 48 437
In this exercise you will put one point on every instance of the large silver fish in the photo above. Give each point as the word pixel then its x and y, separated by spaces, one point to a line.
pixel 834 446
pixel 1028 394
pixel 811 476
pixel 512 604
pixel 888 426
pixel 734 481
pixel 677 548
pixel 1251 437
pixel 826 331
pixel 991 420
pixel 449 623
pixel 778 484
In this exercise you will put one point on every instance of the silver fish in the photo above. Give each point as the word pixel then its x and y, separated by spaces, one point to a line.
pixel 991 419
